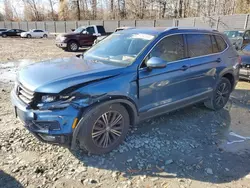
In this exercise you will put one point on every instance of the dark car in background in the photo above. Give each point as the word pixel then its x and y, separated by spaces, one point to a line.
pixel 81 37
pixel 12 33
pixel 2 30
pixel 131 76
pixel 245 66
pixel 239 38
pixel 100 38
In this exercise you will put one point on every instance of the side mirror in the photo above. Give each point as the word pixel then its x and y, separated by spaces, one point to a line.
pixel 156 62
pixel 85 32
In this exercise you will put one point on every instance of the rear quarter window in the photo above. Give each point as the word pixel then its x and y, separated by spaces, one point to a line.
pixel 222 45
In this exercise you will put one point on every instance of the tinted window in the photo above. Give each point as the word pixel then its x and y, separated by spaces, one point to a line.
pixel 221 43
pixel 100 29
pixel 214 44
pixel 90 30
pixel 169 49
pixel 199 45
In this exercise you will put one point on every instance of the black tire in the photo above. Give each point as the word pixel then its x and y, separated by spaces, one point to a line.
pixel 45 36
pixel 29 36
pixel 220 95
pixel 73 46
pixel 93 123
pixel 4 35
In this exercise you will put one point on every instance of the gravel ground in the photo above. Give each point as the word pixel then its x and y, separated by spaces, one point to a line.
pixel 191 147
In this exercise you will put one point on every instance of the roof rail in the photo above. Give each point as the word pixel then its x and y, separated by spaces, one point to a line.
pixel 170 28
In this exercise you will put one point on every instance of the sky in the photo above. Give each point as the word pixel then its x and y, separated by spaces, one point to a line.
pixel 18 4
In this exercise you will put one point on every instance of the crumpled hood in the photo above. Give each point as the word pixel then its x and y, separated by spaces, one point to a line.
pixel 53 76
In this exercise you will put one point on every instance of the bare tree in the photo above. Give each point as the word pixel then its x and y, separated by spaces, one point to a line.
pixel 52 4
pixel 63 10
pixel 8 10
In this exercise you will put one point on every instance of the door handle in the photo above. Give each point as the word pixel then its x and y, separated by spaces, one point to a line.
pixel 185 67
pixel 218 60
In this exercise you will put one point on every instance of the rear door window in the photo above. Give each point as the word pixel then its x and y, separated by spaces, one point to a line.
pixel 90 30
pixel 199 45
pixel 100 29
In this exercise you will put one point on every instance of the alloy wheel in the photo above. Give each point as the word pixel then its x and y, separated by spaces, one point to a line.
pixel 222 94
pixel 107 129
pixel 73 46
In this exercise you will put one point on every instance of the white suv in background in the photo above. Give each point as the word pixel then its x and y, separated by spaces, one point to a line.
pixel 35 33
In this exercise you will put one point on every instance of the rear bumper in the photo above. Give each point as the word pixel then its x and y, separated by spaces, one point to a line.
pixel 244 74
pixel 51 126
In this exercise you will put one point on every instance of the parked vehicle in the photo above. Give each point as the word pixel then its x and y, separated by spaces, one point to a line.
pixel 245 66
pixel 239 38
pixel 81 37
pixel 12 33
pixel 35 33
pixel 1 30
pixel 134 75
pixel 100 38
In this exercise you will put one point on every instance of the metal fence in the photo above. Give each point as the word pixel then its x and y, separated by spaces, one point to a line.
pixel 220 23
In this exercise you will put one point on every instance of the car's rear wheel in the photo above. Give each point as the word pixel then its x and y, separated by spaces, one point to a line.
pixel 4 35
pixel 103 128
pixel 220 95
pixel 73 46
pixel 29 36
pixel 45 36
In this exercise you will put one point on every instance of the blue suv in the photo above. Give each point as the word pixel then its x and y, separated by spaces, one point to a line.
pixel 91 101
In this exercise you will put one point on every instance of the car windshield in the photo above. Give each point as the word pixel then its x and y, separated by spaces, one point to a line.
pixel 234 34
pixel 120 48
pixel 79 30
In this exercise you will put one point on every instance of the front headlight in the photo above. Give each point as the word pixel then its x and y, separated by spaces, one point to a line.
pixel 51 98
pixel 48 98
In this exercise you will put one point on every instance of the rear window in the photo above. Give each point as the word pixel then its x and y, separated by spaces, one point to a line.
pixel 100 29
pixel 222 45
pixel 199 45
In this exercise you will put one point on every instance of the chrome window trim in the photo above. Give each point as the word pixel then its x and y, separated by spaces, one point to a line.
pixel 184 44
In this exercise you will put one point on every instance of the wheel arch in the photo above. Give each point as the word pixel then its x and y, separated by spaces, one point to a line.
pixel 230 77
pixel 127 103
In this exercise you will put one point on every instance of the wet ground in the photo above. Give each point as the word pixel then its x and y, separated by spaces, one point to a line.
pixel 191 147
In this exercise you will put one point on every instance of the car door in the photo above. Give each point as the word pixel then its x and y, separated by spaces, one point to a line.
pixel 246 38
pixel 88 38
pixel 11 33
pixel 168 88
pixel 34 33
pixel 204 60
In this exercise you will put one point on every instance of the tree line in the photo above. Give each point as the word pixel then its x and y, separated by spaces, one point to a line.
pixel 41 10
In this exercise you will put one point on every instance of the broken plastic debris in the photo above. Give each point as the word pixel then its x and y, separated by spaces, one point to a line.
pixel 238 136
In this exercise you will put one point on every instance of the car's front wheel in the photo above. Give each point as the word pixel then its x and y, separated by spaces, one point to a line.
pixel 103 128
pixel 45 36
pixel 73 46
pixel 220 95
pixel 4 35
pixel 29 36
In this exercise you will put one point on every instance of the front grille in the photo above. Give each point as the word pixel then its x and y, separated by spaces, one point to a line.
pixel 25 94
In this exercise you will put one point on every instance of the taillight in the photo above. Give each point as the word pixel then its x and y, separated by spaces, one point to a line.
pixel 239 60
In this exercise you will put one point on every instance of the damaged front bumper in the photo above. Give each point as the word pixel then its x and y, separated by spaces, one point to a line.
pixel 52 126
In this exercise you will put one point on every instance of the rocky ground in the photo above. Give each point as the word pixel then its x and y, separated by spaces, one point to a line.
pixel 192 147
